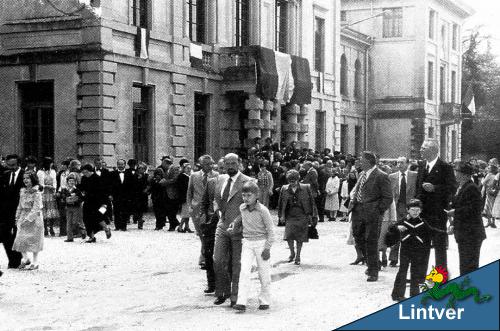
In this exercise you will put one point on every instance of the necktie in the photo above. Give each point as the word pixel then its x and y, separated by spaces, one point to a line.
pixel 205 179
pixel 402 189
pixel 12 176
pixel 227 189
pixel 428 168
pixel 362 181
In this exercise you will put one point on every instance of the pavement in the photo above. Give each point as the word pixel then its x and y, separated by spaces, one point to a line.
pixel 150 280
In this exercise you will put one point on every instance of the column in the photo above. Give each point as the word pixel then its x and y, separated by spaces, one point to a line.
pixel 290 125
pixel 255 123
pixel 96 115
pixel 302 119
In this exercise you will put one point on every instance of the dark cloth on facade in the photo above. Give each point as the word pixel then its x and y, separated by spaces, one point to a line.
pixel 267 74
pixel 302 81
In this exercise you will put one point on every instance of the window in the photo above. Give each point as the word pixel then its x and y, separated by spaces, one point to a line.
pixel 343 75
pixel 37 107
pixel 454 86
pixel 444 38
pixel 281 21
pixel 442 84
pixel 430 81
pixel 201 103
pixel 320 130
pixel 344 143
pixel 343 16
pixel 242 23
pixel 432 19
pixel 454 41
pixel 140 13
pixel 319 43
pixel 430 132
pixel 196 20
pixel 141 97
pixel 454 144
pixel 393 23
pixel 358 139
pixel 358 79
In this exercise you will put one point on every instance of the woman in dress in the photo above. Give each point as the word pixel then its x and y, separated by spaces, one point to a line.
pixel 297 207
pixel 489 192
pixel 182 186
pixel 29 222
pixel 47 178
pixel 495 210
pixel 332 195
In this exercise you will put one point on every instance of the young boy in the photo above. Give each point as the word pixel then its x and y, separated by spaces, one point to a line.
pixel 415 248
pixel 258 236
pixel 72 198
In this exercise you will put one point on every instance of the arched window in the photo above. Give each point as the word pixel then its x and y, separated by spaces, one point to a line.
pixel 343 75
pixel 358 79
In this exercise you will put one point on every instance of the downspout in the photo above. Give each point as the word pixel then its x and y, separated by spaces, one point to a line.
pixel 366 96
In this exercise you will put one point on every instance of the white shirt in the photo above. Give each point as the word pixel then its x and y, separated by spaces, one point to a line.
pixel 432 163
pixel 368 173
pixel 233 180
pixel 63 183
pixel 122 176
pixel 16 174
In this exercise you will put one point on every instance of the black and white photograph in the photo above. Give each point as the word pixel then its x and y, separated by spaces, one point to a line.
pixel 242 164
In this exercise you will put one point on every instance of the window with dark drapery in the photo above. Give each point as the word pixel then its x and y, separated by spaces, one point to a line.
pixel 242 23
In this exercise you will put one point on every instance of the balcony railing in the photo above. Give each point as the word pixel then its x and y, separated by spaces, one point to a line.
pixel 450 111
pixel 239 63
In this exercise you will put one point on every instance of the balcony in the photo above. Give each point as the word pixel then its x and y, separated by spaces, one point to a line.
pixel 239 63
pixel 450 111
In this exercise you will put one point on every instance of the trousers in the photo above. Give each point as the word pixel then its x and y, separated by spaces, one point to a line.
pixel 227 264
pixel 251 250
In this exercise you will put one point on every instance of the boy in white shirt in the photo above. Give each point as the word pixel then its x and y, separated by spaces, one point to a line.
pixel 258 235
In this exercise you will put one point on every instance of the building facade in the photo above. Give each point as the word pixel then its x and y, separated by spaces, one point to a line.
pixel 146 78
pixel 415 72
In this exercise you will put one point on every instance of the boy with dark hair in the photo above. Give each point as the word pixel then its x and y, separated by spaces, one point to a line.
pixel 415 248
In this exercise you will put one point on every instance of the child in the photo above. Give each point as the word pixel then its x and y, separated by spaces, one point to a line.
pixel 258 235
pixel 415 248
pixel 72 198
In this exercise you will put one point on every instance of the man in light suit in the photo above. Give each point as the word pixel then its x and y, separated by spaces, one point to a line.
pixel 196 189
pixel 404 188
pixel 371 197
pixel 227 251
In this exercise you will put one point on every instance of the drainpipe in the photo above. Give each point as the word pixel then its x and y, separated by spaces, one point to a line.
pixel 366 96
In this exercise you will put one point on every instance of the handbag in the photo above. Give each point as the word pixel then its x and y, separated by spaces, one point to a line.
pixel 312 232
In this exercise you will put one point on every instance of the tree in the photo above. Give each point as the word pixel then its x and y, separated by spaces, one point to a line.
pixel 481 71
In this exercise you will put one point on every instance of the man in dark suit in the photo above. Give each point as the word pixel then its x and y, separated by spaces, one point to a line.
pixel 404 188
pixel 122 188
pixel 371 197
pixel 11 182
pixel 323 174
pixel 467 223
pixel 227 251
pixel 105 176
pixel 311 178
pixel 435 187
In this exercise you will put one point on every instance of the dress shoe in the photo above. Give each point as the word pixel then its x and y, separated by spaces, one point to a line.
pixel 68 240
pixel 91 240
pixel 291 257
pixel 372 279
pixel 108 232
pixel 398 299
pixel 233 303
pixel 297 260
pixel 263 307
pixel 209 290
pixel 171 229
pixel 32 267
pixel 240 307
pixel 220 300
pixel 492 225
pixel 188 230
pixel 84 234
pixel 1 273
pixel 52 233
pixel 384 263
pixel 358 261
pixel 393 264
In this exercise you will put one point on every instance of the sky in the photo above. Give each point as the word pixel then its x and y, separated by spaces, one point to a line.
pixel 488 15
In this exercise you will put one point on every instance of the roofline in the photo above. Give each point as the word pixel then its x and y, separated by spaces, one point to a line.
pixel 460 7
pixel 347 32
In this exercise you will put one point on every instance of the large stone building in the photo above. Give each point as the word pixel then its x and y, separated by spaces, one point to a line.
pixel 146 78
pixel 414 74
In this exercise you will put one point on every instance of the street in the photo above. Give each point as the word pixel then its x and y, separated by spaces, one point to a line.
pixel 149 280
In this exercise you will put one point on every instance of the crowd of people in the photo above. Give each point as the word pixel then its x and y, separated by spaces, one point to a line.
pixel 402 206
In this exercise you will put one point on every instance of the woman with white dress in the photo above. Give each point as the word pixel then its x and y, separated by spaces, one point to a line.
pixel 29 222
pixel 495 211
pixel 332 188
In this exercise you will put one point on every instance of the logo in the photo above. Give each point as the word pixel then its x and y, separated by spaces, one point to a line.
pixel 437 289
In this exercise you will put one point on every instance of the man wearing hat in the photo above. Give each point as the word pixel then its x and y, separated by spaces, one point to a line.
pixel 467 224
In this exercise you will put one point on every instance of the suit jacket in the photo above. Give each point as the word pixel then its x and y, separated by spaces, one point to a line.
pixel 311 178
pixel 467 222
pixel 305 196
pixel 121 191
pixel 9 197
pixel 105 179
pixel 376 193
pixel 182 187
pixel 230 210
pixel 209 217
pixel 411 185
pixel 322 179
pixel 434 203
pixel 196 190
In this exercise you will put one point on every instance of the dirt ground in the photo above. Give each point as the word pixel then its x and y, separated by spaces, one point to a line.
pixel 149 280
